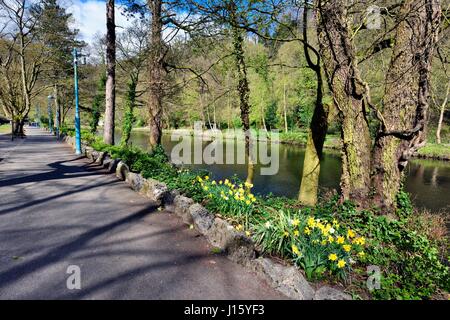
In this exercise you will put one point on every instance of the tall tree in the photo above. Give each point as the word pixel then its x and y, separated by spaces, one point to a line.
pixel 22 59
pixel 110 88
pixel 157 72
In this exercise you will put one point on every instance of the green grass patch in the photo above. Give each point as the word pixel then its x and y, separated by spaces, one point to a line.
pixel 432 150
pixel 5 128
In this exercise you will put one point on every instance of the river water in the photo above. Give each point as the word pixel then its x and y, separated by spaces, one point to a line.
pixel 428 181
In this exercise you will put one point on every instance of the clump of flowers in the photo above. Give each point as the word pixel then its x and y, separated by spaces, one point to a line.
pixel 317 246
pixel 228 197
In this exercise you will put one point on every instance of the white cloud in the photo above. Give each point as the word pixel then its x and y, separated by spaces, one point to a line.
pixel 90 18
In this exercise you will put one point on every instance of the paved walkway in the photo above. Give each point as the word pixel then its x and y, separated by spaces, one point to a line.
pixel 57 210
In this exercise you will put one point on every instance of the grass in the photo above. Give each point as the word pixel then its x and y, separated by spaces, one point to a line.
pixel 433 150
pixel 5 128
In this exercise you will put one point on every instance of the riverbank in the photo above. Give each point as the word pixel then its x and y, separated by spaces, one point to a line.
pixel 332 142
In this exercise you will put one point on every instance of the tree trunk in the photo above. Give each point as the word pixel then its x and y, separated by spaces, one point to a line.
pixel 110 92
pixel 406 98
pixel 314 147
pixel 285 108
pixel 243 87
pixel 130 102
pixel 441 116
pixel 339 59
pixel 156 80
pixel 317 132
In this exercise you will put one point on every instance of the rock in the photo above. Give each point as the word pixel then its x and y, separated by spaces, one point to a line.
pixel 154 190
pixel 136 181
pixel 89 151
pixel 169 200
pixel 106 161
pixel 329 293
pixel 122 171
pixel 201 217
pixel 100 157
pixel 286 279
pixel 181 208
pixel 223 235
pixel 113 165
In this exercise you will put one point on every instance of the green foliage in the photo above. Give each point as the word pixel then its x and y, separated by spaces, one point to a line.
pixel 271 117
pixel 97 104
pixel 130 102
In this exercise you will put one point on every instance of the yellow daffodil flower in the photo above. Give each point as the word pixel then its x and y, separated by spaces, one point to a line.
pixel 350 233
pixel 295 222
pixel 341 264
pixel 307 231
pixel 295 250
pixel 347 247
pixel 340 240
pixel 332 256
pixel 296 233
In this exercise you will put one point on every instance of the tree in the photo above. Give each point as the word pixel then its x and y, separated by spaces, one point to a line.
pixel 53 30
pixel 133 48
pixel 373 175
pixel 110 87
pixel 22 59
pixel 157 72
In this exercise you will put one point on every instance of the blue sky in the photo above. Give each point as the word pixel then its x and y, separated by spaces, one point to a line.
pixel 90 17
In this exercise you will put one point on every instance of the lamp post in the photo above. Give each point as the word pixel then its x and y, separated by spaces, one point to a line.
pixel 77 111
pixel 49 110
pixel 57 118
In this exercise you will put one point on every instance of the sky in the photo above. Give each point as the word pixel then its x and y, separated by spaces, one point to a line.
pixel 90 17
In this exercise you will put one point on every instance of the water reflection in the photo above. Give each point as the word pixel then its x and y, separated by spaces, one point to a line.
pixel 428 181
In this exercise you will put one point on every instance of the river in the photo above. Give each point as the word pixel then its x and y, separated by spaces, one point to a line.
pixel 428 181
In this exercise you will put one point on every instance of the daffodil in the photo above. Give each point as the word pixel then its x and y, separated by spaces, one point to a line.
pixel 286 234
pixel 248 202
pixel 220 182
pixel 332 256
pixel 206 178
pixel 311 222
pixel 341 263
pixel 340 240
pixel 330 239
pixel 347 247
pixel 350 233
pixel 361 241
pixel 295 222
pixel 296 233
pixel 295 250
pixel 307 231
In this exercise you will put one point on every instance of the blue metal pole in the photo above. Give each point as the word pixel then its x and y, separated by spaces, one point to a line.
pixel 49 109
pixel 77 111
